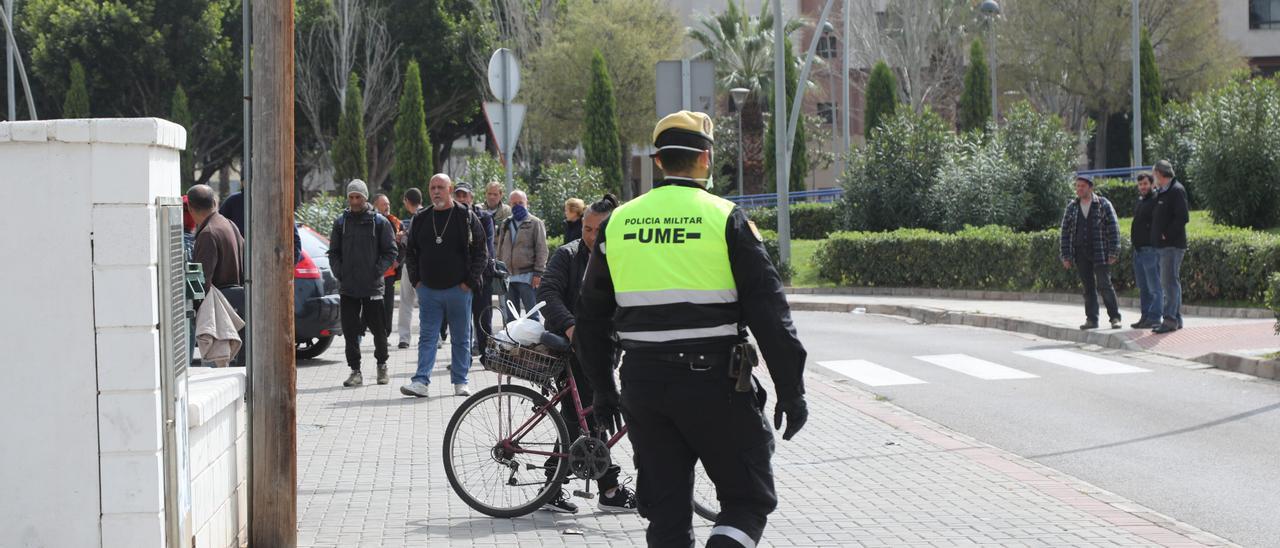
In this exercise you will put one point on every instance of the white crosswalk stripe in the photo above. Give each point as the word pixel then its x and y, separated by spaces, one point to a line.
pixel 976 367
pixel 870 374
pixel 1082 362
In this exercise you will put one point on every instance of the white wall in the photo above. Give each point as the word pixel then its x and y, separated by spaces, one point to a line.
pixel 219 457
pixel 80 461
pixel 1233 19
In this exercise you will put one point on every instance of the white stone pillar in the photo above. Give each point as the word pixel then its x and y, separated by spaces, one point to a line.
pixel 82 463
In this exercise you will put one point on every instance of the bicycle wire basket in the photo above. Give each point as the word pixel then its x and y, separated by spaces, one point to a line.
pixel 537 365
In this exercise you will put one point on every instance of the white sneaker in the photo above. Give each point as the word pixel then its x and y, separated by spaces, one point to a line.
pixel 461 390
pixel 414 389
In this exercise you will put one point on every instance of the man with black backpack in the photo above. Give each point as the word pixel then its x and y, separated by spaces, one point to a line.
pixel 445 258
pixel 362 247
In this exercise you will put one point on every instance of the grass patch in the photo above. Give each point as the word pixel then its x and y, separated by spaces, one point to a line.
pixel 805 272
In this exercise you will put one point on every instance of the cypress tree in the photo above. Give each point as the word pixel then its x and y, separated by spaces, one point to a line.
pixel 180 113
pixel 799 158
pixel 882 98
pixel 350 159
pixel 1152 91
pixel 413 145
pixel 600 140
pixel 975 101
pixel 76 102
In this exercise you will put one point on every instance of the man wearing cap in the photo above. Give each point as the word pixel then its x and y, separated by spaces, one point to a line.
pixel 678 275
pixel 481 295
pixel 362 247
pixel 1090 240
pixel 1169 221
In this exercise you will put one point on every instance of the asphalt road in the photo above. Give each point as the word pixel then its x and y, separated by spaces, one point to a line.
pixel 1199 445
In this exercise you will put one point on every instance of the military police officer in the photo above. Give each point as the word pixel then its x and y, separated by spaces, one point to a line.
pixel 679 274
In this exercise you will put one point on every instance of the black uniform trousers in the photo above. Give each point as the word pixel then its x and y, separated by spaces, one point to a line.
pixel 1096 278
pixel 357 314
pixel 677 416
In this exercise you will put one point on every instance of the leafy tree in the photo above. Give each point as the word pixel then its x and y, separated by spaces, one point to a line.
pixel 741 46
pixel 76 104
pixel 350 160
pixel 1043 156
pixel 882 98
pixel 888 182
pixel 412 145
pixel 180 113
pixel 799 157
pixel 1152 92
pixel 135 52
pixel 975 101
pixel 559 182
pixel 600 141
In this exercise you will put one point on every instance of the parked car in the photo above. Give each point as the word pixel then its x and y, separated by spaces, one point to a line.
pixel 317 318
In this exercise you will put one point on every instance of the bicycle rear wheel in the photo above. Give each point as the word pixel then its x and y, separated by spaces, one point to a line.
pixel 705 502
pixel 490 479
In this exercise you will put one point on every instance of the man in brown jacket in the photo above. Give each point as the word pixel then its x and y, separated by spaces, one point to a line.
pixel 522 246
pixel 217 242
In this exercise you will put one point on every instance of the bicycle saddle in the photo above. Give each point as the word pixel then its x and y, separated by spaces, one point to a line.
pixel 554 342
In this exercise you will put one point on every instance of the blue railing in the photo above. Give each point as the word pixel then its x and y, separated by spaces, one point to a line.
pixel 1124 173
pixel 771 199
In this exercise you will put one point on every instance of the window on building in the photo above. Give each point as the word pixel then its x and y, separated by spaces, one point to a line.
pixel 1264 14
pixel 828 46
pixel 827 112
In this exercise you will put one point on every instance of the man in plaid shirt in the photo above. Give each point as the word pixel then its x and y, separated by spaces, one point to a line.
pixel 1090 241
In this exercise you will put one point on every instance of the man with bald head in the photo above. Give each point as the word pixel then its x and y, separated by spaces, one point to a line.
pixel 522 245
pixel 445 257
pixel 217 240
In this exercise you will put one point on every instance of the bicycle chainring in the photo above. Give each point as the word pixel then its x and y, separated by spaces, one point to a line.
pixel 589 458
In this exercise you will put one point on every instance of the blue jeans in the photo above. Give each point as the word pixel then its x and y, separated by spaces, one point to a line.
pixel 436 306
pixel 523 296
pixel 1146 272
pixel 1170 267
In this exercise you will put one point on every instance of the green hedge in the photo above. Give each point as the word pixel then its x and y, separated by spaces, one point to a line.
pixel 1123 195
pixel 771 245
pixel 1273 297
pixel 1221 263
pixel 808 221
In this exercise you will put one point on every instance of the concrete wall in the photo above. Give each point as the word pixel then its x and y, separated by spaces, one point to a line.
pixel 219 457
pixel 1233 19
pixel 81 457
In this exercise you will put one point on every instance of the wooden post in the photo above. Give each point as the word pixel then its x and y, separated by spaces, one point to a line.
pixel 274 520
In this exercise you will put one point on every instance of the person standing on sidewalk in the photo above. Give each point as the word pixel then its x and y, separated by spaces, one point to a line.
pixel 382 205
pixel 408 295
pixel 560 289
pixel 522 245
pixel 1146 261
pixel 493 203
pixel 482 295
pixel 445 259
pixel 1169 234
pixel 217 243
pixel 1090 241
pixel 573 219
pixel 685 273
pixel 362 247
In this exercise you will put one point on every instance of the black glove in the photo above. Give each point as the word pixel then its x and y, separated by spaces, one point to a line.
pixel 608 413
pixel 797 413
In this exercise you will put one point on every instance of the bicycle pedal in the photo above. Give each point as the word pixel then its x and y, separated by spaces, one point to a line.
pixel 584 494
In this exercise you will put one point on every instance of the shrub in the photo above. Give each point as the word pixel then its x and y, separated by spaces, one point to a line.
pixel 320 212
pixel 888 181
pixel 809 221
pixel 1044 155
pixel 350 157
pixel 412 166
pixel 977 186
pixel 882 98
pixel 771 246
pixel 974 112
pixel 1273 297
pixel 1221 262
pixel 1173 140
pixel 559 182
pixel 1123 195
pixel 1236 158
pixel 600 140
pixel 481 170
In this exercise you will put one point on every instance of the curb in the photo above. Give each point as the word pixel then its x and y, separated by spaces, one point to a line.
pixel 1257 367
pixel 983 295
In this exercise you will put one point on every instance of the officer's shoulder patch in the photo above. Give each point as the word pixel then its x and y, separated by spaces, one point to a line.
pixel 755 231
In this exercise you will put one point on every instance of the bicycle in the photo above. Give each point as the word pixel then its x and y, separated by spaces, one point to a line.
pixel 500 442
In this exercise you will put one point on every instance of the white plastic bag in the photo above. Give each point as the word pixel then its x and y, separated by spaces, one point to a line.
pixel 524 329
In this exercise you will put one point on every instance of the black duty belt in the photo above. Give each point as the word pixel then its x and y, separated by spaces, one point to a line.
pixel 695 361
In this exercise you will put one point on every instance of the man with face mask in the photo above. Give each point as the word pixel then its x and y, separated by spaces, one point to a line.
pixel 678 275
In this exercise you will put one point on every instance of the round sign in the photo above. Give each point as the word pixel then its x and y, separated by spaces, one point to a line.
pixel 504 75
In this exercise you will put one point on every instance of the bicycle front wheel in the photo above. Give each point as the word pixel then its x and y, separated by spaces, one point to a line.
pixel 498 481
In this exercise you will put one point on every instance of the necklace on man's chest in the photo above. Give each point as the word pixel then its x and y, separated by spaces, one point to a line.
pixel 440 233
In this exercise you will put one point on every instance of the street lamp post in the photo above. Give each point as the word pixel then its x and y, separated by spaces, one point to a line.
pixel 1137 88
pixel 739 96
pixel 827 31
pixel 8 63
pixel 991 9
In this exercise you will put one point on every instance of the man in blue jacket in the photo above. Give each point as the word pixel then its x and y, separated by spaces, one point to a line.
pixel 1090 241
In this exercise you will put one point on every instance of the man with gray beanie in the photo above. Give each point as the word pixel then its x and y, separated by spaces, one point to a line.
pixel 1169 221
pixel 362 247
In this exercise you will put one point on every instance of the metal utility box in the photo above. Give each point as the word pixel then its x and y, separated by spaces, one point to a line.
pixel 174 360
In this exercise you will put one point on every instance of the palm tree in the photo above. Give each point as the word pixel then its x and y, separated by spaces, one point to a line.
pixel 741 46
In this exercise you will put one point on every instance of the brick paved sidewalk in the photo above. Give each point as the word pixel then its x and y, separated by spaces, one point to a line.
pixel 862 473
